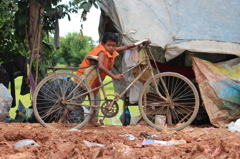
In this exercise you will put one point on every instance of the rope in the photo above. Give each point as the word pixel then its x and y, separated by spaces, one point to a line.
pixel 154 60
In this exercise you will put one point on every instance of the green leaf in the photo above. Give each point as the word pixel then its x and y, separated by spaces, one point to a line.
pixel 69 18
pixel 96 6
pixel 22 6
pixel 22 19
pixel 87 6
pixel 82 5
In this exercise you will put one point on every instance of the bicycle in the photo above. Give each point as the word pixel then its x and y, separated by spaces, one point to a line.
pixel 169 94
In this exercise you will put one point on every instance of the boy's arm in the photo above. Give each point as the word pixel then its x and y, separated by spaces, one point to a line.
pixel 105 70
pixel 127 47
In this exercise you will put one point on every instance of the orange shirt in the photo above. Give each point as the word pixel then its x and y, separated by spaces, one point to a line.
pixel 108 63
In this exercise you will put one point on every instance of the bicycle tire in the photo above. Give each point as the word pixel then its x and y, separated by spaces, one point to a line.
pixel 181 108
pixel 56 94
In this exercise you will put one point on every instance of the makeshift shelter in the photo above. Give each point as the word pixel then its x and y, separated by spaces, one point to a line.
pixel 219 84
pixel 210 27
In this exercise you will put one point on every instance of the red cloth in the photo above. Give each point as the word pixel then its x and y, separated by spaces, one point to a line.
pixel 186 71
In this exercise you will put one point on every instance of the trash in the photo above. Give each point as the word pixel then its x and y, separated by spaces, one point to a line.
pixel 135 120
pixel 160 120
pixel 25 142
pixel 92 144
pixel 145 135
pixel 217 151
pixel 8 120
pixel 199 139
pixel 147 142
pixel 154 136
pixel 127 117
pixel 129 136
pixel 20 112
pixel 166 143
pixel 234 127
pixel 73 129
pixel 208 129
pixel 176 142
pixel 190 130
pixel 29 113
pixel 208 150
pixel 5 102
pixel 143 123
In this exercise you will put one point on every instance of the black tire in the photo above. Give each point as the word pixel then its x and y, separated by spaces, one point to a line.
pixel 59 93
pixel 181 108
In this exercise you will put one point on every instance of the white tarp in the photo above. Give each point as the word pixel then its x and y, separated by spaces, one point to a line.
pixel 210 26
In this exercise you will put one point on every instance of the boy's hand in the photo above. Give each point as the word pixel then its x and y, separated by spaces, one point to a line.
pixel 144 42
pixel 118 77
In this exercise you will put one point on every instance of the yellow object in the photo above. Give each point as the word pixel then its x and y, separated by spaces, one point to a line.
pixel 146 75
pixel 142 56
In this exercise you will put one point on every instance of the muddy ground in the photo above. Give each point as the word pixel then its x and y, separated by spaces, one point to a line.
pixel 115 142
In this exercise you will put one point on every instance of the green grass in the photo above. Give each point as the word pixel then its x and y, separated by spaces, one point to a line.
pixel 26 100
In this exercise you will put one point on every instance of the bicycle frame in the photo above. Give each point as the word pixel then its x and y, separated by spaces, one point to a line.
pixel 116 95
pixel 58 100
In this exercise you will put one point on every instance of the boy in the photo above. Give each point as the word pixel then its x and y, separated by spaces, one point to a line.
pixel 106 51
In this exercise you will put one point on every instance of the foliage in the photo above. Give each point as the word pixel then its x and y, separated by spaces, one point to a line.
pixel 47 55
pixel 73 51
pixel 54 11
pixel 14 21
pixel 10 45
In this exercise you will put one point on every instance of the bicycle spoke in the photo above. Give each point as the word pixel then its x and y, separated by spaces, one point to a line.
pixel 45 113
pixel 180 108
pixel 57 101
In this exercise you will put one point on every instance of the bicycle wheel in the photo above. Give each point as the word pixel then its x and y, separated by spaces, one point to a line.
pixel 58 101
pixel 181 106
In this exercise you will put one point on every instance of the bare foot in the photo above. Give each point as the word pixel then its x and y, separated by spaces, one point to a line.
pixel 63 121
pixel 93 122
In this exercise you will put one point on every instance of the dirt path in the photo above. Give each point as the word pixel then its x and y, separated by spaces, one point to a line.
pixel 201 142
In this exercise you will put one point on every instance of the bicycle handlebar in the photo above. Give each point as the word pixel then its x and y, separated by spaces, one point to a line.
pixel 145 40
pixel 141 42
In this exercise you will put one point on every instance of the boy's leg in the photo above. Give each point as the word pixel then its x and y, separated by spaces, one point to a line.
pixel 94 119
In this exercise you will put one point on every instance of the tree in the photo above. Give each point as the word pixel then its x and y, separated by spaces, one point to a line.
pixel 25 23
pixel 10 45
pixel 72 50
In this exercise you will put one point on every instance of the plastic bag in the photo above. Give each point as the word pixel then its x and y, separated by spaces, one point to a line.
pixel 25 142
pixel 234 127
pixel 134 91
pixel 127 117
pixel 5 102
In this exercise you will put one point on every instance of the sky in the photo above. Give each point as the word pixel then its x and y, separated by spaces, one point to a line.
pixel 90 26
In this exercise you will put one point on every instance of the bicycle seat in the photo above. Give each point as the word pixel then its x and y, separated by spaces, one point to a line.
pixel 91 57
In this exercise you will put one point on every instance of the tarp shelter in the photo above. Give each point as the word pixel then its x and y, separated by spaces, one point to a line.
pixel 206 26
pixel 210 26
pixel 219 84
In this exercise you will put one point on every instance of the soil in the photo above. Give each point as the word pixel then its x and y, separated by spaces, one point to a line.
pixel 113 141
